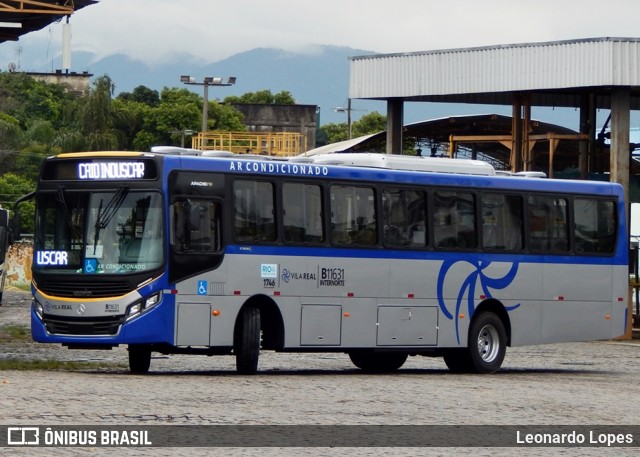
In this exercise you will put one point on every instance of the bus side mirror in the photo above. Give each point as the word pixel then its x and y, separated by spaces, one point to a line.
pixel 14 228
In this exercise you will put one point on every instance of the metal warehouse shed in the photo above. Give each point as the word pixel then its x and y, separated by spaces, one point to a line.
pixel 587 74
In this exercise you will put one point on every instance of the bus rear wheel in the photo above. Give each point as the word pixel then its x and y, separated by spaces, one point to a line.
pixel 485 350
pixel 246 343
pixel 139 358
pixel 378 362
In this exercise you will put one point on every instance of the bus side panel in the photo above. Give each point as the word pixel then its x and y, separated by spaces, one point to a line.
pixel 575 321
pixel 577 302
pixel 577 282
pixel 417 278
pixel 620 313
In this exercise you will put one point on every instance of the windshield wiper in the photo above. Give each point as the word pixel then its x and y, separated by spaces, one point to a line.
pixel 63 204
pixel 110 210
pixel 105 216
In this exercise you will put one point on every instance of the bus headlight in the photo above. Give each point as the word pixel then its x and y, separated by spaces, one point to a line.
pixel 38 308
pixel 134 310
pixel 152 301
pixel 142 306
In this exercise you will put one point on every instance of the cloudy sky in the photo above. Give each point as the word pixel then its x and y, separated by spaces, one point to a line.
pixel 151 30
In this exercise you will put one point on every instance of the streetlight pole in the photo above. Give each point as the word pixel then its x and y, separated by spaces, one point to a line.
pixel 348 110
pixel 208 81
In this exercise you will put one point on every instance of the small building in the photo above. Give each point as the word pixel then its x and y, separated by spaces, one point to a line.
pixel 73 82
pixel 261 118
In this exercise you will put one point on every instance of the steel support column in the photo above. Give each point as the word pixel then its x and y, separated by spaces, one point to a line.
pixel 620 123
pixel 395 124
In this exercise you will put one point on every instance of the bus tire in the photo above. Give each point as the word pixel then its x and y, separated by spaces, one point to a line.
pixel 247 341
pixel 378 362
pixel 139 358
pixel 485 350
pixel 458 360
pixel 487 343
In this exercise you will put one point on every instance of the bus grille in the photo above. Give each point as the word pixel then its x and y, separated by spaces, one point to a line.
pixel 61 325
pixel 75 289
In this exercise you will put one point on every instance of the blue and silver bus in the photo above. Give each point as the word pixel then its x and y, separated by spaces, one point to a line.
pixel 377 256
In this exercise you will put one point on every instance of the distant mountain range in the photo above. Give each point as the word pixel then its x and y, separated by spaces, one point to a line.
pixel 319 77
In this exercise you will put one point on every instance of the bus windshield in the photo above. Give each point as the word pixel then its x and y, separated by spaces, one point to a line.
pixel 111 232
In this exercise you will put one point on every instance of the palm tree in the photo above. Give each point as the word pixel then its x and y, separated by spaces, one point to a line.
pixel 94 119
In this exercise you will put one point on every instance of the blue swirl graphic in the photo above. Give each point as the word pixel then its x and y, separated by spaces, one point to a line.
pixel 468 287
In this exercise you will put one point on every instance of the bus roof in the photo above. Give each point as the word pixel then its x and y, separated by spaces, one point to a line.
pixel 414 163
pixel 370 166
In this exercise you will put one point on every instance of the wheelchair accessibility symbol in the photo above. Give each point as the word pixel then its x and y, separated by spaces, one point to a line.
pixel 202 288
pixel 90 265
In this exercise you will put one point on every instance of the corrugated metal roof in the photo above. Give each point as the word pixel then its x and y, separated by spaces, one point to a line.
pixel 556 72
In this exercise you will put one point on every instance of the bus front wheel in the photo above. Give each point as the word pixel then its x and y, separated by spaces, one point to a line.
pixel 247 340
pixel 139 358
pixel 485 350
pixel 378 362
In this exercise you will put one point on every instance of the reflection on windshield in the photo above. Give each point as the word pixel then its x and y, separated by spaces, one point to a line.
pixel 102 232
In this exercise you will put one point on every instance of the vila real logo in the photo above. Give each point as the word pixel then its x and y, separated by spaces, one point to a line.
pixel 295 276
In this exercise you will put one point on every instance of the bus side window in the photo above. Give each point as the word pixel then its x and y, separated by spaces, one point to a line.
pixel 548 224
pixel 454 220
pixel 353 216
pixel 302 213
pixel 595 226
pixel 404 218
pixel 254 214
pixel 502 222
pixel 196 226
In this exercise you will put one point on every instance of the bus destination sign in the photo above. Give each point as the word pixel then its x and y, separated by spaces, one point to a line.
pixel 110 170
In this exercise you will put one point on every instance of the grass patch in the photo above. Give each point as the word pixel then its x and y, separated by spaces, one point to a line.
pixel 14 332
pixel 56 365
pixel 23 286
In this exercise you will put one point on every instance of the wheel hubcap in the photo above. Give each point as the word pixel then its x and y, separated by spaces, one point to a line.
pixel 488 343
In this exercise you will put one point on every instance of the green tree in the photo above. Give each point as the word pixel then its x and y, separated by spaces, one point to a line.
pixel 97 119
pixel 335 132
pixel 26 99
pixel 261 97
pixel 131 124
pixel 369 123
pixel 11 134
pixel 12 187
pixel 179 110
pixel 141 94
pixel 22 152
pixel 225 117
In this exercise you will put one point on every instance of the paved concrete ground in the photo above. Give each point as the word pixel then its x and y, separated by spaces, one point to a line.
pixel 595 383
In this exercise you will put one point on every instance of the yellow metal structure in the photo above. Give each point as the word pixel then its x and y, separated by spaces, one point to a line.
pixel 507 141
pixel 20 17
pixel 268 143
pixel 35 7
